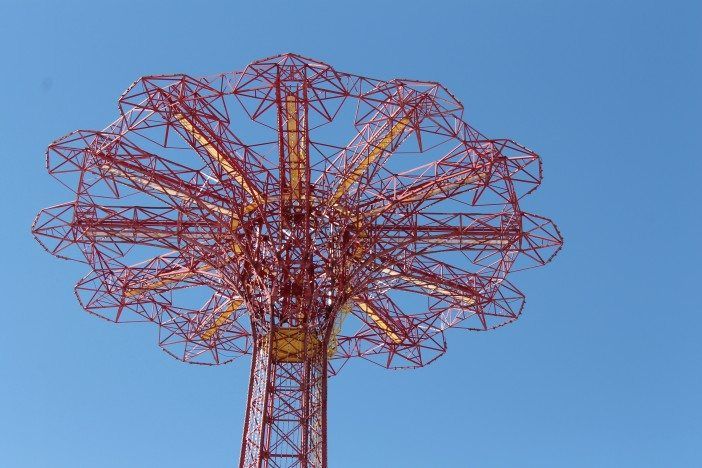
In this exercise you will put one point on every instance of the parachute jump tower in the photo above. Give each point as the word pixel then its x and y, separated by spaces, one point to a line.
pixel 303 216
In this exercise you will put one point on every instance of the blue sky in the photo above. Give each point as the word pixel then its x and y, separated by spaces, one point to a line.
pixel 602 370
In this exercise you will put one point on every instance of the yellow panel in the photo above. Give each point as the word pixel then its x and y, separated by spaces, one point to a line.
pixel 379 321
pixel 222 319
pixel 290 344
pixel 368 160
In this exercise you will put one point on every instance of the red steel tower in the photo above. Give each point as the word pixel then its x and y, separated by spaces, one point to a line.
pixel 301 215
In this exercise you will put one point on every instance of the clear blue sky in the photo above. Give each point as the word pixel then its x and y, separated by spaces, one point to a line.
pixel 602 370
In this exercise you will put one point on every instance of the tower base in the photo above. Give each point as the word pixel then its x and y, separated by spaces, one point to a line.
pixel 286 413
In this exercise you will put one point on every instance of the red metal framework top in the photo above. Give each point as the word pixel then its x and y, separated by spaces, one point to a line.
pixel 293 207
pixel 397 195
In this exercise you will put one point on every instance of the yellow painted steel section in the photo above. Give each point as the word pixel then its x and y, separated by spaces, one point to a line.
pixel 236 222
pixel 233 172
pixel 230 169
pixel 471 242
pixel 449 186
pixel 171 192
pixel 177 277
pixel 166 280
pixel 222 319
pixel 296 150
pixel 372 156
pixel 441 188
pixel 428 286
pixel 341 315
pixel 368 310
pixel 293 344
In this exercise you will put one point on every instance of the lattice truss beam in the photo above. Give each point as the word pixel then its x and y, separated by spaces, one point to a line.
pixel 364 215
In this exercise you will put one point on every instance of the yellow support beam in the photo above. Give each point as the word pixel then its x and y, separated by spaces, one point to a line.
pixel 247 209
pixel 428 286
pixel 296 150
pixel 377 151
pixel 222 319
pixel 445 186
pixel 341 316
pixel 441 187
pixel 223 160
pixel 166 279
pixel 368 310
pixel 467 243
pixel 231 170
pixel 175 193
pixel 171 192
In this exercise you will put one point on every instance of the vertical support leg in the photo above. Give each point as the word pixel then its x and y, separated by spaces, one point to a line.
pixel 286 412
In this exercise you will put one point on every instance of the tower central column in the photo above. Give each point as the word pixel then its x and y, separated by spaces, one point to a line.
pixel 286 413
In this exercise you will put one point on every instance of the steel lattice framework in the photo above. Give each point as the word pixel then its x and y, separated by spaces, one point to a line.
pixel 226 211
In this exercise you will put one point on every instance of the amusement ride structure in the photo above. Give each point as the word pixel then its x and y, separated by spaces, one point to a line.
pixel 301 215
